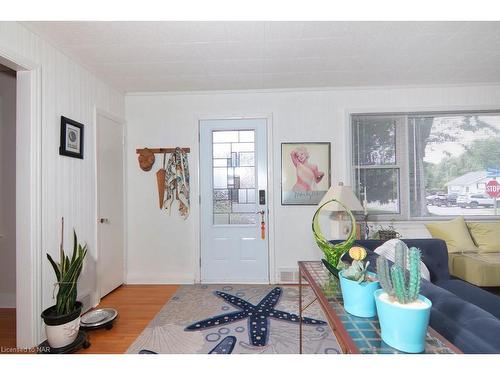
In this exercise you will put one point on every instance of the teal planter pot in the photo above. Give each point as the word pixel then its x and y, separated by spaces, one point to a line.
pixel 403 328
pixel 359 297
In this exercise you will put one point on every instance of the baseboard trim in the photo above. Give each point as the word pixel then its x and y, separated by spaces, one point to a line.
pixel 8 300
pixel 236 282
pixel 160 279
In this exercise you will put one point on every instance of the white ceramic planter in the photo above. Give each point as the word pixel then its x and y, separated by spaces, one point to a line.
pixel 62 330
pixel 64 334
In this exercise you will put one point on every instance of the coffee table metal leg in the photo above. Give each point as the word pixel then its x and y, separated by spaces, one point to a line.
pixel 300 311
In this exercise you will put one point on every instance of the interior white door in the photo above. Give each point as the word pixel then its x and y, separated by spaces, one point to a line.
pixel 110 262
pixel 233 173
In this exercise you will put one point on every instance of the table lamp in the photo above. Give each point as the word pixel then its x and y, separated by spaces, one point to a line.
pixel 337 199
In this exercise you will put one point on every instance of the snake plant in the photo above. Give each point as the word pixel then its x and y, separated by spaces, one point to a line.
pixel 67 272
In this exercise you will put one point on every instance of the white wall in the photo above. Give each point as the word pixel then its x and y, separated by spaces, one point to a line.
pixel 163 248
pixel 7 189
pixel 68 185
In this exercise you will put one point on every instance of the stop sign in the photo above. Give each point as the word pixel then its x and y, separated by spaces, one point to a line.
pixel 493 189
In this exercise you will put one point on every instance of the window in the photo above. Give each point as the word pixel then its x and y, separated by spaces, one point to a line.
pixel 377 164
pixel 421 165
pixel 234 177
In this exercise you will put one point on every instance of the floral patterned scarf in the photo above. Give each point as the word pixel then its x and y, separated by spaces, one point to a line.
pixel 177 182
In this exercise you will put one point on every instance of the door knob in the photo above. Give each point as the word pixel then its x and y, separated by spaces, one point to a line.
pixel 103 220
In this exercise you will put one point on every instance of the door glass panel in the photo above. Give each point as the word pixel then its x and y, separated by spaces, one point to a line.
pixel 247 159
pixel 251 195
pixel 242 218
pixel 239 147
pixel 222 194
pixel 220 162
pixel 234 178
pixel 225 137
pixel 246 177
pixel 222 206
pixel 220 178
pixel 238 208
pixel 242 195
pixel 247 136
pixel 222 150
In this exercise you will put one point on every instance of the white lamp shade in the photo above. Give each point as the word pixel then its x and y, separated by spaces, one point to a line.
pixel 343 194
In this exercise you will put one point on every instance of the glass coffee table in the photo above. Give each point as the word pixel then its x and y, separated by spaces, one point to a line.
pixel 355 335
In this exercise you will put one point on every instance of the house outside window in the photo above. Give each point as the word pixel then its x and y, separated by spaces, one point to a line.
pixel 426 165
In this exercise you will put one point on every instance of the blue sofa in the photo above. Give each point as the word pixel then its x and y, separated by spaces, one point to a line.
pixel 468 316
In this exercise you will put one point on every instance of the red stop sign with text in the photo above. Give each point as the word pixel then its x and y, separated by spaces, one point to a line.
pixel 493 189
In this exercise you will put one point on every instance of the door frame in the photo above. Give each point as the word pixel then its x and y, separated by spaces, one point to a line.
pixel 101 112
pixel 28 184
pixel 270 188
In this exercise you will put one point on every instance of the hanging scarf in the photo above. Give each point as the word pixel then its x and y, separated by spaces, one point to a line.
pixel 177 182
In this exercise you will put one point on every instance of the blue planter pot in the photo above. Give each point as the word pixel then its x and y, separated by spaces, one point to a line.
pixel 358 297
pixel 403 328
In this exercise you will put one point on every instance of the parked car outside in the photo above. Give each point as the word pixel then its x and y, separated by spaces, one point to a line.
pixel 451 199
pixel 441 199
pixel 475 201
pixel 435 199
pixel 429 199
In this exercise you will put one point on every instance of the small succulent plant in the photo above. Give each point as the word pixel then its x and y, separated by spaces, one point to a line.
pixel 357 271
pixel 398 282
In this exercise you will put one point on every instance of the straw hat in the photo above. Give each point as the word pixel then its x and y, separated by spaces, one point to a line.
pixel 146 159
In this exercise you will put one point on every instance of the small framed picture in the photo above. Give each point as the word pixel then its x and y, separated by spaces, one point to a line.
pixel 71 138
pixel 305 172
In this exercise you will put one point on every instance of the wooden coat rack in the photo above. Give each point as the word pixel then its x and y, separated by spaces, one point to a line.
pixel 146 155
pixel 161 150
pixel 148 159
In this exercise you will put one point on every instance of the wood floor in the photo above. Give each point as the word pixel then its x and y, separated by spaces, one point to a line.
pixel 7 328
pixel 137 305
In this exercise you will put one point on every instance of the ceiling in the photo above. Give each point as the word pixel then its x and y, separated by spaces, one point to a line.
pixel 186 56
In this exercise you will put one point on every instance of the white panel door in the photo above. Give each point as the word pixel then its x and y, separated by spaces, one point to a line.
pixel 110 232
pixel 233 173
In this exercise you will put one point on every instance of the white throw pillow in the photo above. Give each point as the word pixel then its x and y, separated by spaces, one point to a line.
pixel 388 250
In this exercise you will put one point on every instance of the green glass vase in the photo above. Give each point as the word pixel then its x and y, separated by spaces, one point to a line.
pixel 333 253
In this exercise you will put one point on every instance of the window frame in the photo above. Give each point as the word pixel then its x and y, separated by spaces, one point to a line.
pixel 403 147
pixel 400 163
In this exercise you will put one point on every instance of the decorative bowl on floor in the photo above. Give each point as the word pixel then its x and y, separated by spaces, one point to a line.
pixel 98 318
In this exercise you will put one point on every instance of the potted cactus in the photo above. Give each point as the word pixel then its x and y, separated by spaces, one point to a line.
pixel 403 313
pixel 358 285
pixel 62 321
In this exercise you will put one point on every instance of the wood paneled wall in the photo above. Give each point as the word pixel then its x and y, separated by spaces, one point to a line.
pixel 68 185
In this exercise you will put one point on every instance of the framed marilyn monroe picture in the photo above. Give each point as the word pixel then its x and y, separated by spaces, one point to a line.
pixel 305 172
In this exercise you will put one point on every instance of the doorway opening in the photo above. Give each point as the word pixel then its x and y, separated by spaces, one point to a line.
pixel 8 92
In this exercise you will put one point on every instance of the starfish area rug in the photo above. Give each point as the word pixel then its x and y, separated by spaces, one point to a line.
pixel 236 319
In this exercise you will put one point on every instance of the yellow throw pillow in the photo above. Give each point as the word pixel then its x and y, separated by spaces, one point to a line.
pixel 454 233
pixel 486 236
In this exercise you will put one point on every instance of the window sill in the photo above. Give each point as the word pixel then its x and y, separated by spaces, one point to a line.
pixel 433 219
